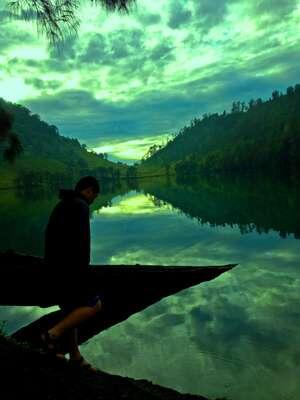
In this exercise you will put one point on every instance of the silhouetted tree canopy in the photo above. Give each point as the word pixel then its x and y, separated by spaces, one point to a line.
pixel 57 18
pixel 9 141
pixel 49 159
pixel 263 135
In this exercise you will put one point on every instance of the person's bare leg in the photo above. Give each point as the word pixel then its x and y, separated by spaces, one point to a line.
pixel 74 352
pixel 75 318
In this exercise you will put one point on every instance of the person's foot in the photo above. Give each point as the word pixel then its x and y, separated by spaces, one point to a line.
pixel 82 363
pixel 50 344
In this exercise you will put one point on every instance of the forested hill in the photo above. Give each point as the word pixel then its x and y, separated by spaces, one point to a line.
pixel 47 152
pixel 254 136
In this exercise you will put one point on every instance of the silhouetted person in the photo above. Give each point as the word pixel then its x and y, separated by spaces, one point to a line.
pixel 67 255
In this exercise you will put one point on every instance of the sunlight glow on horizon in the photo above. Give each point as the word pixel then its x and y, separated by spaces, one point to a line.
pixel 130 149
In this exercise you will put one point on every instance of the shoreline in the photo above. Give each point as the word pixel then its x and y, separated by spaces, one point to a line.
pixel 29 373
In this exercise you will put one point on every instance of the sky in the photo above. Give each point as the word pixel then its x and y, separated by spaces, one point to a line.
pixel 126 82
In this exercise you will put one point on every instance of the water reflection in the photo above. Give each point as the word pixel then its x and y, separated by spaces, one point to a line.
pixel 24 214
pixel 259 204
pixel 237 336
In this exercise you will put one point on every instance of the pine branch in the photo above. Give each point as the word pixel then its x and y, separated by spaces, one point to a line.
pixel 57 19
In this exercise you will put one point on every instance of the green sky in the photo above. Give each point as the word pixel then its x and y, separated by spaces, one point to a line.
pixel 126 82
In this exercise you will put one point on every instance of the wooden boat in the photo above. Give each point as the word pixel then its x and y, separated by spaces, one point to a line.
pixel 128 289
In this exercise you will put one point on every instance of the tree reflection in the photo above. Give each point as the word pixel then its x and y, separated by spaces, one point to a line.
pixel 254 204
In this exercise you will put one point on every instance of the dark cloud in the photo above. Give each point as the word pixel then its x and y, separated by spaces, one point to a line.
pixel 65 103
pixel 64 51
pixel 113 47
pixel 5 15
pixel 29 63
pixel 95 51
pixel 149 19
pixel 150 112
pixel 124 43
pixel 41 84
pixel 8 15
pixel 145 64
pixel 149 64
pixel 179 15
pixel 56 65
pixel 79 113
pixel 208 13
pixel 277 8
pixel 11 37
pixel 162 53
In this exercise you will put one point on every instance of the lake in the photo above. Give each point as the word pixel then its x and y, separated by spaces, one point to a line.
pixel 236 336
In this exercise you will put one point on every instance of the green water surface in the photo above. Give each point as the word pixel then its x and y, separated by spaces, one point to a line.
pixel 236 336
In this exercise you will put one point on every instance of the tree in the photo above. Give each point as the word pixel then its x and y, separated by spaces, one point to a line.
pixel 290 91
pixel 131 172
pixel 275 95
pixel 297 88
pixel 151 151
pixel 243 106
pixel 251 103
pixel 236 107
pixel 57 18
pixel 14 146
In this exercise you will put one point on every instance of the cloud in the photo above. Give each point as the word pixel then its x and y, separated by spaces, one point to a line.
pixel 64 51
pixel 208 14
pixel 41 84
pixel 276 8
pixel 149 73
pixel 97 119
pixel 129 150
pixel 148 18
pixel 162 53
pixel 113 46
pixel 178 15
pixel 10 36
pixel 95 50
pixel 239 330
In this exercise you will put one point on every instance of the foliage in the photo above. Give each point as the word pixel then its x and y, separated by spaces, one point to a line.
pixel 151 151
pixel 49 158
pixel 10 140
pixel 57 18
pixel 131 172
pixel 252 203
pixel 263 135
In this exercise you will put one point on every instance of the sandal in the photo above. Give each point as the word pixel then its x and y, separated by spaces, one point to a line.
pixel 51 345
pixel 83 363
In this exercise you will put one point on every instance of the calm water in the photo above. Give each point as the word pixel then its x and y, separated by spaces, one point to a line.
pixel 236 336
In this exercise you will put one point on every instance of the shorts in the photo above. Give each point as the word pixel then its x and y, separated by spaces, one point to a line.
pixel 89 301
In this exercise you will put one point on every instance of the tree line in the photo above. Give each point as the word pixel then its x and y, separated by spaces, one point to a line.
pixel 46 157
pixel 260 135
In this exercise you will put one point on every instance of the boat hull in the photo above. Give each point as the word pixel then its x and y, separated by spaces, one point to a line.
pixel 127 290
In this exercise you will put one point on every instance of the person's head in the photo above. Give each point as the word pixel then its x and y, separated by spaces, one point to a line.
pixel 88 187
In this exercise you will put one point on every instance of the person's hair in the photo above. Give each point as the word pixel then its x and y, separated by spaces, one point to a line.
pixel 86 182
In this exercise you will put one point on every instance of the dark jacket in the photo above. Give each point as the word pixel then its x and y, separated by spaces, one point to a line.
pixel 67 235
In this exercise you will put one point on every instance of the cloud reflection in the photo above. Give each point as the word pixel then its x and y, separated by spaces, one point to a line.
pixel 236 336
